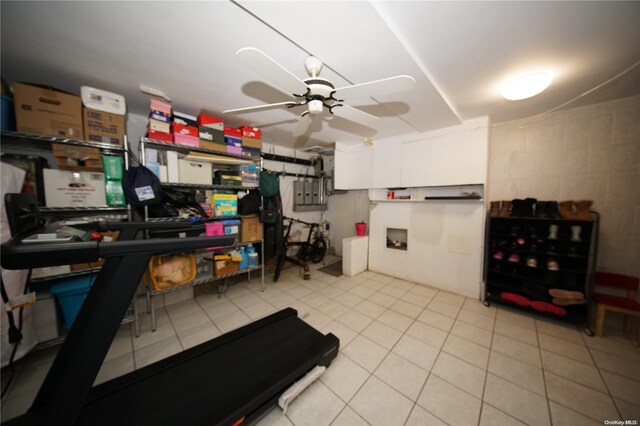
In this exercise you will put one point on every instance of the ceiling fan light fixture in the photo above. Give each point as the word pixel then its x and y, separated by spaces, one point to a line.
pixel 526 86
pixel 315 107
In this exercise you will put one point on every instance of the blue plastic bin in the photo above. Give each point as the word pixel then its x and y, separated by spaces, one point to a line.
pixel 70 294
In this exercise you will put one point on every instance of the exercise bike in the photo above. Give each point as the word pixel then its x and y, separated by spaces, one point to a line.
pixel 312 249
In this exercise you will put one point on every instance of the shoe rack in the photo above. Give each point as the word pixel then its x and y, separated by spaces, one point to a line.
pixel 542 265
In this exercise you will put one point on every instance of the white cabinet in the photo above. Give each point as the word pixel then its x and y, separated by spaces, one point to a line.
pixel 451 159
pixel 416 163
pixel 354 169
pixel 387 165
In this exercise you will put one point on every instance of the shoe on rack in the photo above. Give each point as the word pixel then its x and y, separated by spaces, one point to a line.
pixel 548 307
pixel 576 230
pixel 515 298
pixel 553 232
pixel 559 293
pixel 494 208
pixel 566 210
pixel 499 255
pixel 583 211
pixel 552 265
pixel 552 210
pixel 514 258
pixel 541 209
pixel 566 302
pixel 527 207
pixel 505 209
pixel 532 262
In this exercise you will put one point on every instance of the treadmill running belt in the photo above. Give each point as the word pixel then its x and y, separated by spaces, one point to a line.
pixel 217 382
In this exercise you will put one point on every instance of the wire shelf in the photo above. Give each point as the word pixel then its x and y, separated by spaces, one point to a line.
pixel 8 137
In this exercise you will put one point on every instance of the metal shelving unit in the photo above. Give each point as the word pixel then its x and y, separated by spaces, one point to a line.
pixel 185 149
pixel 40 143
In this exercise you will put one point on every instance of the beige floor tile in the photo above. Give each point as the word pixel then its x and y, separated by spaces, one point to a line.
pixel 615 364
pixel 476 319
pixel 344 377
pixel 148 337
pixel 628 411
pixel 216 312
pixel 181 309
pixel 382 278
pixel 317 319
pixel 406 308
pixel 246 300
pixel 516 401
pixel 471 332
pixel 189 321
pixel 382 299
pixel 467 351
pixel 423 290
pixel 232 321
pixel 427 334
pixel 355 320
pixel 449 403
pixel 450 298
pixel 299 292
pixel 332 309
pixel 467 377
pixel 522 334
pixel 491 416
pixel 563 416
pixel 275 418
pixel 341 331
pixel 280 300
pixel 316 406
pixel 571 369
pixel 370 309
pixel 561 330
pixel 382 334
pixel 622 388
pixel 361 291
pixel 478 307
pixel 392 291
pixel 314 299
pixel 121 345
pixel 402 375
pixel 419 353
pixel 373 285
pixel 516 317
pixel 421 417
pixel 617 346
pixel 13 407
pixel 516 349
pixel 580 398
pixel 350 300
pixel 416 299
pixel 331 292
pixel 115 368
pixel 301 307
pixel 365 353
pixel 381 405
pixel 197 335
pixel 404 285
pixel 157 351
pixel 348 417
pixel 443 308
pixel 393 319
pixel 437 320
pixel 517 372
pixel 579 352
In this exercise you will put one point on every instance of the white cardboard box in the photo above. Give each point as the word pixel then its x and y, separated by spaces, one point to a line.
pixel 74 189
pixel 195 172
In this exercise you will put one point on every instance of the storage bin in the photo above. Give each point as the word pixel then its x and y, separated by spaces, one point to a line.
pixel 223 265
pixel 70 294
pixel 232 227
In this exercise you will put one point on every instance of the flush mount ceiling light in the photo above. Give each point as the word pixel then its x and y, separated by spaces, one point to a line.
pixel 526 86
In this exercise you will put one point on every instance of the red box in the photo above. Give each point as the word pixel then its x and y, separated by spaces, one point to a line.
pixel 232 131
pixel 186 140
pixel 159 136
pixel 181 129
pixel 251 132
pixel 209 121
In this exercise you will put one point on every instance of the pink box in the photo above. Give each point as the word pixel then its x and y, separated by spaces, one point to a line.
pixel 158 105
pixel 234 150
pixel 193 141
pixel 212 229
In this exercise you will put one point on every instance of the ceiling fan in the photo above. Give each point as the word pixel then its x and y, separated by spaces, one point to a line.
pixel 315 92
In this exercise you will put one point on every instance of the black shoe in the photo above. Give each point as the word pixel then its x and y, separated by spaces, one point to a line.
pixel 552 210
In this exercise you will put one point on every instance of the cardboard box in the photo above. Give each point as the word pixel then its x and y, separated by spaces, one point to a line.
pixel 103 127
pixel 46 111
pixel 186 140
pixel 251 152
pixel 195 172
pixel 77 158
pixel 233 141
pixel 248 142
pixel 234 150
pixel 251 132
pixel 224 204
pixel 159 136
pixel 74 189
pixel 208 134
pixel 214 146
pixel 210 121
pixel 157 115
pixel 251 229
pixel 181 129
pixel 223 265
pixel 102 100
pixel 159 126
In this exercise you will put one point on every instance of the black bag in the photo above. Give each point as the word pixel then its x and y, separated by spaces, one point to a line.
pixel 142 187
pixel 270 211
pixel 250 203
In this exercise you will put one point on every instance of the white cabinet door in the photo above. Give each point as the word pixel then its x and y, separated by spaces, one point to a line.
pixel 342 176
pixel 387 165
pixel 451 159
pixel 361 168
pixel 416 163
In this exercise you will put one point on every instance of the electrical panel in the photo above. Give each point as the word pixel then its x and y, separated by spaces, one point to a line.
pixel 315 193
pixel 298 193
pixel 308 193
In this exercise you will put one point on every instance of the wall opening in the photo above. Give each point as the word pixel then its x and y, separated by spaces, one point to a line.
pixel 397 239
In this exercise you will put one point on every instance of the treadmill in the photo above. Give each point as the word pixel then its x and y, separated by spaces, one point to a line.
pixel 233 379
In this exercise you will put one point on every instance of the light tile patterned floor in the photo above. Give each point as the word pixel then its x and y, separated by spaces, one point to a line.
pixel 410 355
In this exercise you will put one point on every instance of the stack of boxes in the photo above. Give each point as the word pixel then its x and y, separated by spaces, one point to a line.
pixel 185 129
pixel 251 141
pixel 160 121
pixel 233 139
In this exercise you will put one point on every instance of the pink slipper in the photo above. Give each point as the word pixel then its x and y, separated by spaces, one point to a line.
pixel 548 307
pixel 515 298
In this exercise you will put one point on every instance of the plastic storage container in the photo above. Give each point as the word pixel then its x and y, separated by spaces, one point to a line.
pixel 70 294
pixel 253 260
pixel 244 263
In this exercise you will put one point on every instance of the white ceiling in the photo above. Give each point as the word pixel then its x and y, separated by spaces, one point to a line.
pixel 458 52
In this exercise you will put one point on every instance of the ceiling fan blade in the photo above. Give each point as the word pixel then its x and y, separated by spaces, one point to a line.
pixel 258 108
pixel 375 88
pixel 302 126
pixel 282 78
pixel 355 115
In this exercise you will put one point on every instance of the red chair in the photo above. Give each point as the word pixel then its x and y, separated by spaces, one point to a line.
pixel 628 306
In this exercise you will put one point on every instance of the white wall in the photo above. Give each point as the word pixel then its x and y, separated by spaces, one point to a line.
pixel 344 211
